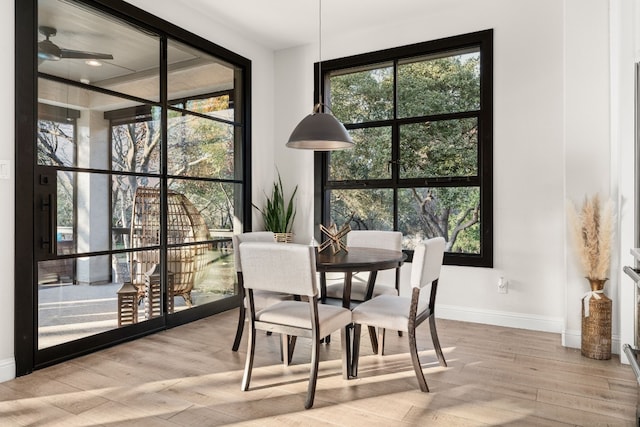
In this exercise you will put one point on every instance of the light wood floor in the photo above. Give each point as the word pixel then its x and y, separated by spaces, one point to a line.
pixel 188 376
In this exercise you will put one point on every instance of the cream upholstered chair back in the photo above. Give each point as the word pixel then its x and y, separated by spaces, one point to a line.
pixel 290 268
pixel 265 298
pixel 262 269
pixel 376 239
pixel 427 261
pixel 406 313
pixel 252 236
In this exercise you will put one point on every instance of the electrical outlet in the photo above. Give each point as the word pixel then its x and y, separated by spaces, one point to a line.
pixel 5 171
pixel 503 285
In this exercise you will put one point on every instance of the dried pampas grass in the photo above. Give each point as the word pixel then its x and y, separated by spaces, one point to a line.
pixel 591 228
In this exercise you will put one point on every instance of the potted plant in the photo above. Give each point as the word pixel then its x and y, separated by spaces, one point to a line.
pixel 591 228
pixel 277 215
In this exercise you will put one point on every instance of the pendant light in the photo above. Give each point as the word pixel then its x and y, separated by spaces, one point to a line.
pixel 320 131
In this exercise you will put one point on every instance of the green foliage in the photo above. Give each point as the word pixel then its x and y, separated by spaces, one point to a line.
pixel 431 146
pixel 450 212
pixel 363 96
pixel 278 216
pixel 372 207
pixel 444 148
pixel 197 147
pixel 444 85
pixel 366 160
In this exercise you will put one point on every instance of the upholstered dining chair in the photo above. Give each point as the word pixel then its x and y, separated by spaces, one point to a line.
pixel 406 313
pixel 387 282
pixel 261 298
pixel 290 268
pixel 385 285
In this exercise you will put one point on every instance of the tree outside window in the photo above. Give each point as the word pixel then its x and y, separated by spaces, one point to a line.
pixel 200 147
pixel 421 120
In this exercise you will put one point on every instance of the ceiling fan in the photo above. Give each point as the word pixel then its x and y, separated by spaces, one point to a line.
pixel 49 51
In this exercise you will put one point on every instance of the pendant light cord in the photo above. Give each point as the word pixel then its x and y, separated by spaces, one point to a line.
pixel 320 56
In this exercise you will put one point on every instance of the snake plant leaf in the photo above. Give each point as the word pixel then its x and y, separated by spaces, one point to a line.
pixel 277 215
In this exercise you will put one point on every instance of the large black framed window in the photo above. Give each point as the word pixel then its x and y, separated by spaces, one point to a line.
pixel 421 117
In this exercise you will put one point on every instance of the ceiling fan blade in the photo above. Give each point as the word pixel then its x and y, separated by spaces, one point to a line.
pixel 47 50
pixel 78 54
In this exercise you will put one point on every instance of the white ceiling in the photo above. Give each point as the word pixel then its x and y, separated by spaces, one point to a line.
pixel 281 24
pixel 275 24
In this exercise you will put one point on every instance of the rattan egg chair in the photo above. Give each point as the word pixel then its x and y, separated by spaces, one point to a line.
pixel 186 264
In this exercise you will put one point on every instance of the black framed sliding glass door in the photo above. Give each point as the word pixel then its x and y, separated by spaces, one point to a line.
pixel 132 162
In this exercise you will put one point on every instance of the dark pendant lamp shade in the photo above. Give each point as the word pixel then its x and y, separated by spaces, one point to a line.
pixel 320 132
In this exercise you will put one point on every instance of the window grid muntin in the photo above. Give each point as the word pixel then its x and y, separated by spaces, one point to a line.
pixel 481 41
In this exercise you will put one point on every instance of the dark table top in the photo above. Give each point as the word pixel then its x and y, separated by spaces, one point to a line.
pixel 359 259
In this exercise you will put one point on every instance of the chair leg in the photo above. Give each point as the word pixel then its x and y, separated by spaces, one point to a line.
pixel 240 329
pixel 246 378
pixel 284 349
pixel 292 346
pixel 287 345
pixel 374 339
pixel 436 341
pixel 313 375
pixel 323 287
pixel 187 299
pixel 413 349
pixel 381 338
pixel 355 357
pixel 398 290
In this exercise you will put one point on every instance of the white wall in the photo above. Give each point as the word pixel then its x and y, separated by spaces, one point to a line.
pixel 7 193
pixel 552 140
pixel 528 131
pixel 587 133
pixel 294 102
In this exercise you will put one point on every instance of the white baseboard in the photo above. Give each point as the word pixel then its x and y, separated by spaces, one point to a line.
pixel 572 339
pixel 7 369
pixel 501 318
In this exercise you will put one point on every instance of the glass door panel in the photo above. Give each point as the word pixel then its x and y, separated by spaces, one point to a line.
pixel 137 185
pixel 98 82
pixel 200 146
pixel 82 223
pixel 80 44
pixel 204 174
pixel 69 307
pixel 200 82
pixel 205 212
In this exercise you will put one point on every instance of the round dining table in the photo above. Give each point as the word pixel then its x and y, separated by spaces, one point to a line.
pixel 354 260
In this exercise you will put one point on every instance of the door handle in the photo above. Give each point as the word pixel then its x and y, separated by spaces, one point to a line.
pixel 49 239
